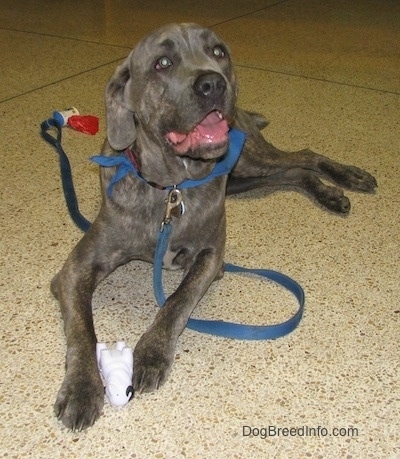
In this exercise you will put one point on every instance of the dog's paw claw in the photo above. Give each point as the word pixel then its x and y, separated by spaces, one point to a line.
pixel 351 177
pixel 341 205
pixel 149 379
pixel 359 180
pixel 152 365
pixel 79 403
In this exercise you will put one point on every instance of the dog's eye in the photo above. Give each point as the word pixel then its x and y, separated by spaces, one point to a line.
pixel 163 63
pixel 219 52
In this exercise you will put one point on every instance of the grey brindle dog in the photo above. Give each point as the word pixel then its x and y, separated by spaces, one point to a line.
pixel 172 102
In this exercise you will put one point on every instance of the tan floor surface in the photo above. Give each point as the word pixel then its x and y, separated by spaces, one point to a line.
pixel 327 76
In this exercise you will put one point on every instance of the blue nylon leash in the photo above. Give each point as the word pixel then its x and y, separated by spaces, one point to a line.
pixel 66 174
pixel 124 167
pixel 231 329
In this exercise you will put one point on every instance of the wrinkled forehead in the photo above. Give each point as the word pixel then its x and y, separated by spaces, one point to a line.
pixel 182 38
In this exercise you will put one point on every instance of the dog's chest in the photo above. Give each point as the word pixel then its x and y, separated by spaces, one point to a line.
pixel 197 222
pixel 171 260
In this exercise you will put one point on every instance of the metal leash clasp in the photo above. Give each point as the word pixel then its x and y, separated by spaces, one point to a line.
pixel 174 199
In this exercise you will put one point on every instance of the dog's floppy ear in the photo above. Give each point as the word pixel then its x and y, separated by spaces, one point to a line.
pixel 121 130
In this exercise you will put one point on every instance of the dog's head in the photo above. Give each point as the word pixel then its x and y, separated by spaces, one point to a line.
pixel 178 88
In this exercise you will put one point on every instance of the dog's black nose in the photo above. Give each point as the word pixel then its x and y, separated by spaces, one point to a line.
pixel 210 85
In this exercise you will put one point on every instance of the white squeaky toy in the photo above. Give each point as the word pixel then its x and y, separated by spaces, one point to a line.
pixel 116 368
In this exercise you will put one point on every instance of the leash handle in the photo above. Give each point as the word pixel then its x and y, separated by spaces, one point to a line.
pixel 66 173
pixel 230 329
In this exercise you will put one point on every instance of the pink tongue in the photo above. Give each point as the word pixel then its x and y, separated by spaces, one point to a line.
pixel 212 129
pixel 213 126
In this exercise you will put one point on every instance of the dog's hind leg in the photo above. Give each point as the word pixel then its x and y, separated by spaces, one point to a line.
pixel 330 197
pixel 262 164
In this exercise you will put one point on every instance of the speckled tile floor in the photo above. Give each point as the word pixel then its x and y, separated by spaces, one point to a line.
pixel 327 76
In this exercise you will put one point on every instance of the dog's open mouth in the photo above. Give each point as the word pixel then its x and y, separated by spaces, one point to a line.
pixel 212 130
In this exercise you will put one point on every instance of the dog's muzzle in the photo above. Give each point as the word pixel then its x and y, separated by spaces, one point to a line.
pixel 211 85
pixel 212 130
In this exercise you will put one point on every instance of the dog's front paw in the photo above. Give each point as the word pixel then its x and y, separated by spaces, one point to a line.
pixel 153 361
pixel 79 401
